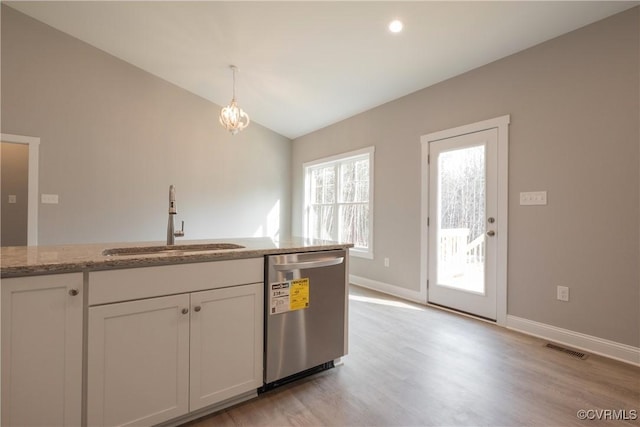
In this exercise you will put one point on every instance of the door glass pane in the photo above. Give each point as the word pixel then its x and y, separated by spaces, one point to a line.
pixel 461 222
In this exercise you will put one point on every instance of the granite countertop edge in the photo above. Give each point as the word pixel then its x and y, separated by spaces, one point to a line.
pixel 20 261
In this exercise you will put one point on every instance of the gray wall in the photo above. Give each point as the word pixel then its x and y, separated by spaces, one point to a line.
pixel 15 182
pixel 113 138
pixel 574 132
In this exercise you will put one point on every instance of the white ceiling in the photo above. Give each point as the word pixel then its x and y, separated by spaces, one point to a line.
pixel 305 65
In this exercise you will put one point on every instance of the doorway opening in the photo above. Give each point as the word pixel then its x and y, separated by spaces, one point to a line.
pixel 33 145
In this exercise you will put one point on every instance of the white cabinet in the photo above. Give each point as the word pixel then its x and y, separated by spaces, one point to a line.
pixel 226 343
pixel 42 350
pixel 138 362
pixel 151 360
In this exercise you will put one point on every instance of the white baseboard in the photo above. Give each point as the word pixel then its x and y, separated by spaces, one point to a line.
pixel 386 288
pixel 577 340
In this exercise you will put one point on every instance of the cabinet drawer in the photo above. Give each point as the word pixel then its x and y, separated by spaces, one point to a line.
pixel 145 282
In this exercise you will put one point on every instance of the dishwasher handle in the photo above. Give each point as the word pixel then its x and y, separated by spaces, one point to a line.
pixel 327 262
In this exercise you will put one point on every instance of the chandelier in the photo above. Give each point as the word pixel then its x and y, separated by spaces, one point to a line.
pixel 232 118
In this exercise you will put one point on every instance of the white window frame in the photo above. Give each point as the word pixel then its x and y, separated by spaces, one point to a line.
pixel 339 158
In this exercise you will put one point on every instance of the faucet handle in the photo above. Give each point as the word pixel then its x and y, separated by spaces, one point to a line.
pixel 179 233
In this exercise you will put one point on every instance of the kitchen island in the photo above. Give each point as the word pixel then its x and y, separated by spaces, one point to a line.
pixel 110 334
pixel 16 261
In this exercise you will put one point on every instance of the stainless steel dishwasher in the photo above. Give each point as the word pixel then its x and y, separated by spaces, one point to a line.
pixel 305 314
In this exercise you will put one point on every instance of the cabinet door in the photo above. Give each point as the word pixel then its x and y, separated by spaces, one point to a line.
pixel 226 343
pixel 138 361
pixel 42 350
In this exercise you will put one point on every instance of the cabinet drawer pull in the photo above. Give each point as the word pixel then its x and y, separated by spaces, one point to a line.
pixel 185 310
pixel 197 308
pixel 73 292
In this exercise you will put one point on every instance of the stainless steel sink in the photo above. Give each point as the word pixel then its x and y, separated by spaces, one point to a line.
pixel 149 250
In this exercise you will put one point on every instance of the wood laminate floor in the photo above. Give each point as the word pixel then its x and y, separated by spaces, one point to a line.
pixel 410 365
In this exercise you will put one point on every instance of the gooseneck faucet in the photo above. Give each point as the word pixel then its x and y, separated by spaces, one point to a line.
pixel 171 234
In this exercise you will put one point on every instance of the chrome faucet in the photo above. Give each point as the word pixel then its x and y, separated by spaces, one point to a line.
pixel 171 234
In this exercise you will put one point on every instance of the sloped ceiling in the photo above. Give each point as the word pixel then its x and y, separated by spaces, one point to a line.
pixel 305 65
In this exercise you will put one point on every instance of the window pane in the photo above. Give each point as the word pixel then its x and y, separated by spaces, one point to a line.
pixel 339 197
pixel 362 170
pixel 362 191
pixel 347 180
pixel 323 182
pixel 354 181
pixel 321 222
pixel 316 187
pixel 354 224
pixel 329 185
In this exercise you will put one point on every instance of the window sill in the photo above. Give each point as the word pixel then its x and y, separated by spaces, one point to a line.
pixel 359 253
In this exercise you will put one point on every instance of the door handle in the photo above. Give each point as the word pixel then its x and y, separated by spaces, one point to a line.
pixel 491 233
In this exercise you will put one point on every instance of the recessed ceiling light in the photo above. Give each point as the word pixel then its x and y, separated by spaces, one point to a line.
pixel 395 26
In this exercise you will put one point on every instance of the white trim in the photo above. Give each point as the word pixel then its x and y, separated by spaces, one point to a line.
pixel 502 124
pixel 386 288
pixel 577 340
pixel 497 122
pixel 360 253
pixel 32 207
pixel 594 345
pixel 342 156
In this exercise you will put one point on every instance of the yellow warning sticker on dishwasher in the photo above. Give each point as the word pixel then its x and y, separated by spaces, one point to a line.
pixel 299 297
pixel 288 296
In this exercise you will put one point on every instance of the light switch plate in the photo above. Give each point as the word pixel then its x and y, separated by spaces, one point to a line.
pixel 49 199
pixel 533 198
pixel 12 198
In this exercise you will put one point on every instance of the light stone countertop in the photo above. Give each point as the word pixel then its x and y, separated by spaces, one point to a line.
pixel 16 261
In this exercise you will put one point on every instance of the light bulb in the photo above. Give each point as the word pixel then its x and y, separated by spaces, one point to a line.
pixel 395 26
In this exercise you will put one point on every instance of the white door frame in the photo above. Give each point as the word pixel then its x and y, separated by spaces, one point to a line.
pixel 502 124
pixel 32 206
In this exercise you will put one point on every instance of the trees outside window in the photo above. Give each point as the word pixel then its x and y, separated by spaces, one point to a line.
pixel 338 200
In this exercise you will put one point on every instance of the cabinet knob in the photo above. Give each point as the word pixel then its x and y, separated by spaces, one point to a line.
pixel 185 310
pixel 197 308
pixel 73 292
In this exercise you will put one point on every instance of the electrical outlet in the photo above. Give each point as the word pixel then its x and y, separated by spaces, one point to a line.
pixel 386 262
pixel 563 293
pixel 12 198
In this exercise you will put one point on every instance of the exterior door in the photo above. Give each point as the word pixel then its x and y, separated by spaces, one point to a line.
pixel 463 212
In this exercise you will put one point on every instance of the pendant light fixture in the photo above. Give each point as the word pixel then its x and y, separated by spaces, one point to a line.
pixel 232 118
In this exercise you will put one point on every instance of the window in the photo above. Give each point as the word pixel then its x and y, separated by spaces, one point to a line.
pixel 339 200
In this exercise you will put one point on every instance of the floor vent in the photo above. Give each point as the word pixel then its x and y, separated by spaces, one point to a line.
pixel 572 353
